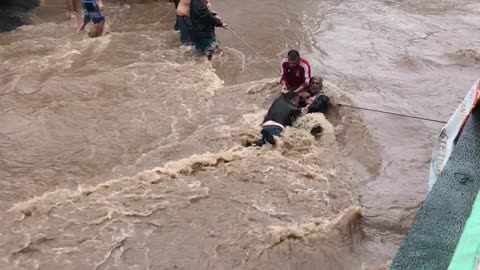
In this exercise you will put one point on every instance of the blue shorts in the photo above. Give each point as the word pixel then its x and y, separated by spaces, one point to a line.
pixel 184 24
pixel 95 17
pixel 91 12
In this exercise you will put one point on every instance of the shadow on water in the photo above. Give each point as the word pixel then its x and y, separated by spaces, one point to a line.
pixel 11 13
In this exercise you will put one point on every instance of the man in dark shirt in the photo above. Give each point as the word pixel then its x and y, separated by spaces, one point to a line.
pixel 204 22
pixel 314 100
pixel 283 112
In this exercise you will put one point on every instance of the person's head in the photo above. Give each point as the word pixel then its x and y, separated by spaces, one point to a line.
pixel 316 84
pixel 293 58
pixel 292 97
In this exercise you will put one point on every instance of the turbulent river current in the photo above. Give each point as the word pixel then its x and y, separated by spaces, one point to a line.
pixel 127 151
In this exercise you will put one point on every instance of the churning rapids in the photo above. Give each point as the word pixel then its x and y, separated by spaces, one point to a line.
pixel 125 151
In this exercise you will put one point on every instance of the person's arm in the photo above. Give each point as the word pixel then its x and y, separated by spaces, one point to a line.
pixel 306 82
pixel 205 14
pixel 294 115
pixel 305 109
pixel 300 88
pixel 283 82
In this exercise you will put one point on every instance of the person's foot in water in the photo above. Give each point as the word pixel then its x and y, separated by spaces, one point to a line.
pixel 260 142
pixel 268 137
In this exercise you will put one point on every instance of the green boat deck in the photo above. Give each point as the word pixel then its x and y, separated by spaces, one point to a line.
pixel 432 240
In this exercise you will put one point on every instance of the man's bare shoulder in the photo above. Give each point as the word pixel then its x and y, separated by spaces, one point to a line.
pixel 183 8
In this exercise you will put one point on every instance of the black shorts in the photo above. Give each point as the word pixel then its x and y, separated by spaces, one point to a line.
pixel 184 24
pixel 268 133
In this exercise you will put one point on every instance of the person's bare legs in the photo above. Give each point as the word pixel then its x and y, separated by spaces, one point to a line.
pixel 99 28
pixel 69 4
pixel 81 26
pixel 74 5
pixel 304 94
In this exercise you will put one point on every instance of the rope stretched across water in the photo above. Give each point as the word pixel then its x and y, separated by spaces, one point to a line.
pixel 339 104
pixel 255 52
pixel 391 113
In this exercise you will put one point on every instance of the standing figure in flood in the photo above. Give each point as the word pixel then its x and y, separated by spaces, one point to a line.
pixel 72 6
pixel 183 23
pixel 204 21
pixel 92 11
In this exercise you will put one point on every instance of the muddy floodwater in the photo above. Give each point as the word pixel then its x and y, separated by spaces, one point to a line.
pixel 126 151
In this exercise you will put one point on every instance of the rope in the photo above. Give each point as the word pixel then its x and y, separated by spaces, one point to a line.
pixel 342 105
pixel 255 52
pixel 391 113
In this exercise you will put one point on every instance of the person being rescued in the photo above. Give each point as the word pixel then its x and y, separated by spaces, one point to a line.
pixel 287 108
pixel 313 100
pixel 283 112
pixel 204 21
pixel 295 73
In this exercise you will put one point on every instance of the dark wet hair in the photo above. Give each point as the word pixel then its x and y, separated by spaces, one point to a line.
pixel 293 55
pixel 290 95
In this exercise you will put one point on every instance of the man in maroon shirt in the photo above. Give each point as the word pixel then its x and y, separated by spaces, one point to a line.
pixel 295 73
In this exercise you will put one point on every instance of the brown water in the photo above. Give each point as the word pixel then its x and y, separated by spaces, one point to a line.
pixel 124 152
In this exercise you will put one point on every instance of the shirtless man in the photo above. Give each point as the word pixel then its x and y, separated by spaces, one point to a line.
pixel 184 24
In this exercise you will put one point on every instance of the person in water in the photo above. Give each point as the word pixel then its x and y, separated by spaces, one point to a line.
pixel 72 6
pixel 204 21
pixel 313 99
pixel 92 11
pixel 183 23
pixel 283 112
pixel 295 73
pixel 176 3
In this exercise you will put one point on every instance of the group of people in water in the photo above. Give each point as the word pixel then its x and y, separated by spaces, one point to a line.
pixel 196 21
pixel 300 94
